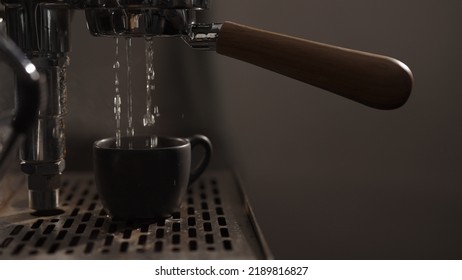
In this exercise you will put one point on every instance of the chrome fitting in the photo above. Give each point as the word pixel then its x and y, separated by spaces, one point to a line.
pixel 203 36
pixel 44 181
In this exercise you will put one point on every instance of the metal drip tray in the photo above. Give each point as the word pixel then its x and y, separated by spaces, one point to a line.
pixel 213 222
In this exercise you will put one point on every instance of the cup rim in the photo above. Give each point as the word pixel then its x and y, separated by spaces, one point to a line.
pixel 98 143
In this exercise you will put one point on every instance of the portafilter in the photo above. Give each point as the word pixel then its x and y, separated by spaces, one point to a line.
pixel 374 80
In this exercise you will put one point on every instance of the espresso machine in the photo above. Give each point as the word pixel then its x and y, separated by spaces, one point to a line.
pixel 67 217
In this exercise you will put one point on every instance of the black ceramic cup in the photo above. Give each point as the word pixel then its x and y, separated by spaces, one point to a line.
pixel 147 176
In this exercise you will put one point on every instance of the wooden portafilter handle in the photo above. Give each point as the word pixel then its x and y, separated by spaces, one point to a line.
pixel 374 80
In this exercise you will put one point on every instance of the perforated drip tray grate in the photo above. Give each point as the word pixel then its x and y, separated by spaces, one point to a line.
pixel 214 222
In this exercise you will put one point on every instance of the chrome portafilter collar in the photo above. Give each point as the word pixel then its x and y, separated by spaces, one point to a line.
pixel 137 18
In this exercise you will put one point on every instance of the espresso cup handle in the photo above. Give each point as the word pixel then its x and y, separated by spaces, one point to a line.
pixel 200 140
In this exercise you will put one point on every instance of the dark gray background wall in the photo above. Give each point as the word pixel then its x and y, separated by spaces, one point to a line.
pixel 327 178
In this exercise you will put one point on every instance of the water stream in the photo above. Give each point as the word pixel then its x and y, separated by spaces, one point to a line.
pixel 152 112
pixel 130 128
pixel 117 99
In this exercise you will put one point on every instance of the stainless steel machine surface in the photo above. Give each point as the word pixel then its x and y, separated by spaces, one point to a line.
pixel 213 222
